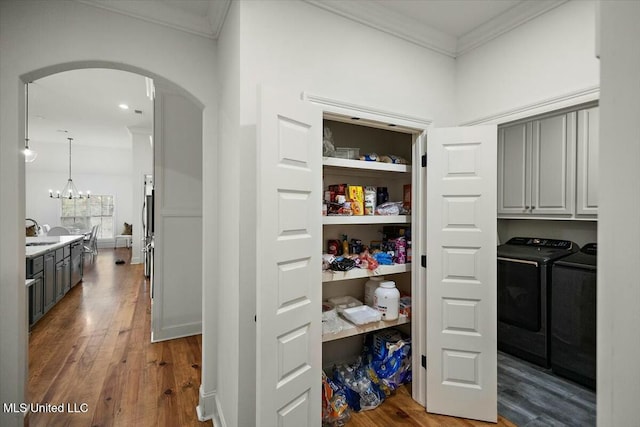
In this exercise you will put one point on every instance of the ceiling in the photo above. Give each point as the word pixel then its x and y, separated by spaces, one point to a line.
pixel 85 102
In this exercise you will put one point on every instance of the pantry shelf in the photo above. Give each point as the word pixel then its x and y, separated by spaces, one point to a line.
pixel 366 219
pixel 364 165
pixel 363 329
pixel 359 273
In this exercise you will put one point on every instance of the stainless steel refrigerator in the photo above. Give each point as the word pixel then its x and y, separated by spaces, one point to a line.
pixel 147 226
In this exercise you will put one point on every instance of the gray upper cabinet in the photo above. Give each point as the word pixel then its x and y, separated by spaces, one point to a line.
pixel 514 169
pixel 553 165
pixel 537 168
pixel 587 165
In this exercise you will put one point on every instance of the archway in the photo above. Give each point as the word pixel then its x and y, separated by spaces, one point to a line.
pixel 172 101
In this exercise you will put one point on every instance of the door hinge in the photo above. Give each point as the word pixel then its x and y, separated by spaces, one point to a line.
pixel 424 160
pixel 255 318
pixel 423 261
pixel 424 361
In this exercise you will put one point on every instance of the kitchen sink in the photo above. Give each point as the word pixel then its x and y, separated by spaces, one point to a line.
pixel 40 243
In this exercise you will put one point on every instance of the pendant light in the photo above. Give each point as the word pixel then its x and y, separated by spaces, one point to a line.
pixel 29 154
pixel 69 191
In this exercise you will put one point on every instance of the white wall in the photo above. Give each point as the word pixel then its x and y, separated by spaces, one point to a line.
pixel 101 170
pixel 226 351
pixel 298 47
pixel 619 219
pixel 546 58
pixel 35 35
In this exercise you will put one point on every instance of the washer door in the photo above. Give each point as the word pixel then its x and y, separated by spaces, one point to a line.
pixel 519 296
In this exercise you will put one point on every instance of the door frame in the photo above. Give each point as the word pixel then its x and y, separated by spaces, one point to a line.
pixel 417 127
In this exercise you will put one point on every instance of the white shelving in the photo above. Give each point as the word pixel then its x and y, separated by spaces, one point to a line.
pixel 363 329
pixel 365 219
pixel 359 273
pixel 363 165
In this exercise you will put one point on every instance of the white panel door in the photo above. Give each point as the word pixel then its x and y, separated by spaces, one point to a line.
pixel 461 272
pixel 289 291
pixel 176 305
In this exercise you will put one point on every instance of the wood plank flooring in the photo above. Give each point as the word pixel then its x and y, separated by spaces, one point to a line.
pixel 532 396
pixel 401 410
pixel 94 347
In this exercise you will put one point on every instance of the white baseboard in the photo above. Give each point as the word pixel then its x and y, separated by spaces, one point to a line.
pixel 173 332
pixel 209 408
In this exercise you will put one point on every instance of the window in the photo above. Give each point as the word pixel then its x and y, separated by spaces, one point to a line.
pixel 85 213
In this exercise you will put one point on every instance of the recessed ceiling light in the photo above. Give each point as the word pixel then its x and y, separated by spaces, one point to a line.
pixel 124 106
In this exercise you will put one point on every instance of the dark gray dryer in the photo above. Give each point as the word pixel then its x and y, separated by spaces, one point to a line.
pixel 524 279
pixel 573 316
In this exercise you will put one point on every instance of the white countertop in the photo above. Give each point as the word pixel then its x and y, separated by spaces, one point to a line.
pixel 54 242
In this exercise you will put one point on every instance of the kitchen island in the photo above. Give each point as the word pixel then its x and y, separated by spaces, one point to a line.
pixel 53 265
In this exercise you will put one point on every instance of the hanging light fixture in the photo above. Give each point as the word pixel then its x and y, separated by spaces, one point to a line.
pixel 29 154
pixel 69 191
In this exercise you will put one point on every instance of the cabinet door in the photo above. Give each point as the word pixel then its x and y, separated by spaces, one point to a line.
pixel 36 299
pixel 514 170
pixel 49 280
pixel 553 165
pixel 288 279
pixel 587 167
pixel 66 277
pixel 461 272
pixel 59 280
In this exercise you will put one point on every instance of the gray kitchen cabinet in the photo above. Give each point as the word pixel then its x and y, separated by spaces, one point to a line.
pixel 49 280
pixel 536 167
pixel 36 289
pixel 587 162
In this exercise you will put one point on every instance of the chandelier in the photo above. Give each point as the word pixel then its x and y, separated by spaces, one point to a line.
pixel 69 191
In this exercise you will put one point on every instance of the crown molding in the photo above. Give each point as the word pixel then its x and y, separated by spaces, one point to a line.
pixel 570 99
pixel 205 26
pixel 218 10
pixel 507 21
pixel 383 19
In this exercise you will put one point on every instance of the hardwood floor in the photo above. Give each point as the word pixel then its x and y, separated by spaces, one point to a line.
pixel 94 348
pixel 401 410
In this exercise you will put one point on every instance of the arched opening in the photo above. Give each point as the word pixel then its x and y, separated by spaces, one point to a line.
pixel 178 119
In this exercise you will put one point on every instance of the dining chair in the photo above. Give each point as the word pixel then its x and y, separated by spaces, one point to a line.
pixel 91 245
pixel 58 231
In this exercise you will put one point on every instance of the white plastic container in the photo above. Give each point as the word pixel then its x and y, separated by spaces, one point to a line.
pixel 387 300
pixel 370 290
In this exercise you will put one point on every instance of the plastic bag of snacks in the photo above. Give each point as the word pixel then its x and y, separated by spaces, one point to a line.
pixel 361 394
pixel 387 356
pixel 335 410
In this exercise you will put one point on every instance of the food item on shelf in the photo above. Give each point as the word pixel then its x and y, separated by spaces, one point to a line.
pixel 406 197
pixel 355 195
pixel 391 158
pixel 344 302
pixel 405 306
pixel 370 157
pixel 369 200
pixel 387 357
pixel 382 195
pixel 386 300
pixel 330 321
pixel 370 288
pixel 389 208
pixel 335 409
pixel 333 246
